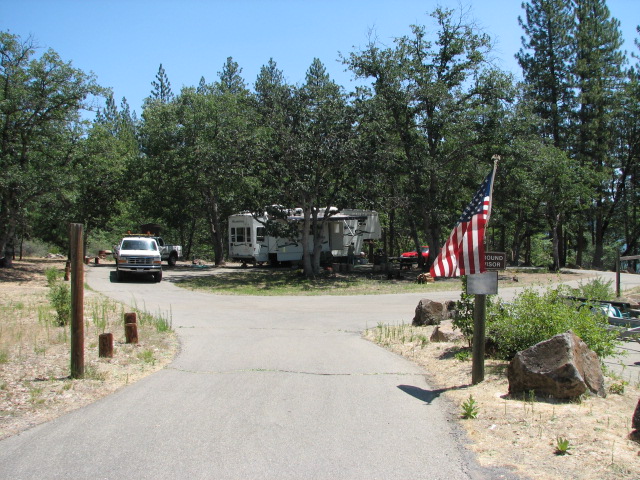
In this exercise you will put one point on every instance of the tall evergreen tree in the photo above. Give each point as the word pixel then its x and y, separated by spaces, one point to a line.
pixel 599 73
pixel 161 87
pixel 230 78
pixel 546 58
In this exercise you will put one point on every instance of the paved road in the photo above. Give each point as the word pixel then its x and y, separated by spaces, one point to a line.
pixel 263 388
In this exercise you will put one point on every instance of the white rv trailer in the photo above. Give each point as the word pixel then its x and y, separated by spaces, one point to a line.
pixel 248 242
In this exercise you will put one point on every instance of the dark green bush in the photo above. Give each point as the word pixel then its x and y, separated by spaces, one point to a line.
pixel 535 316
pixel 596 289
pixel 59 295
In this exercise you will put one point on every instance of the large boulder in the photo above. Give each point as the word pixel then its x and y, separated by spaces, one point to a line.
pixel 429 312
pixel 562 367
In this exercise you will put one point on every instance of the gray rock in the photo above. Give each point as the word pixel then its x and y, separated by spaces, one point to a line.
pixel 562 367
pixel 429 312
pixel 445 333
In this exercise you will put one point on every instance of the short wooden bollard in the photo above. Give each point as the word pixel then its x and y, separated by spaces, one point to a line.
pixel 105 345
pixel 130 327
pixel 131 332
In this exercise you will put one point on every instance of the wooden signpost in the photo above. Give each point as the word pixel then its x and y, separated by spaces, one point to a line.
pixel 481 285
pixel 77 300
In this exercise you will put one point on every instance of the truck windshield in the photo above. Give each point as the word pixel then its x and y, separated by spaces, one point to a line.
pixel 138 245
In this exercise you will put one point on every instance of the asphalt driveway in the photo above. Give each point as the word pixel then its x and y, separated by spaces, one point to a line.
pixel 263 388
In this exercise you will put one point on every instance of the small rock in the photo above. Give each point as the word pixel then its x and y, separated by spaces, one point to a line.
pixel 445 333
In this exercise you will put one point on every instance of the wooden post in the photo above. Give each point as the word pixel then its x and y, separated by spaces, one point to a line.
pixel 77 301
pixel 131 332
pixel 105 345
pixel 479 316
pixel 618 276
pixel 130 318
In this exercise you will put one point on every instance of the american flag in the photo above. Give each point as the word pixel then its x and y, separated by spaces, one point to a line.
pixel 463 254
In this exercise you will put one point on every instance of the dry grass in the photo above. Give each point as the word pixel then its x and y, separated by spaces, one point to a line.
pixel 35 353
pixel 522 433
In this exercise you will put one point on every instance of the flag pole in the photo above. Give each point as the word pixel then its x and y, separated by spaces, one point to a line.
pixel 480 309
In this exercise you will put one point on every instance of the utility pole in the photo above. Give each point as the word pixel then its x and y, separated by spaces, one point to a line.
pixel 77 300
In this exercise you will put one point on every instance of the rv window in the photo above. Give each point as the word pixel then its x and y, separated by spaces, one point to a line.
pixel 260 234
pixel 233 234
pixel 240 235
pixel 248 230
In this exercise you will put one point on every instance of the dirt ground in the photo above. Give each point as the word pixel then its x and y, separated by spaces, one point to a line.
pixel 522 433
pixel 35 355
pixel 517 433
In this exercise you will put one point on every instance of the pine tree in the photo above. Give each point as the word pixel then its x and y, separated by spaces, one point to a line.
pixel 599 74
pixel 230 79
pixel 161 87
pixel 546 57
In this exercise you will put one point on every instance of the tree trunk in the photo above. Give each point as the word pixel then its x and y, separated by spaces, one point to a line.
pixel 213 218
pixel 598 252
pixel 307 267
pixel 580 246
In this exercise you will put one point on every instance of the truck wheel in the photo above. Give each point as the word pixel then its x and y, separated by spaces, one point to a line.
pixel 173 258
pixel 157 276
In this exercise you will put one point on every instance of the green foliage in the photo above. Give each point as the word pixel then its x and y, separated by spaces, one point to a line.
pixel 618 387
pixel 53 275
pixel 147 356
pixel 541 250
pixel 59 295
pixel 535 316
pixel 463 315
pixel 37 248
pixel 562 445
pixel 596 289
pixel 41 99
pixel 60 298
pixel 462 355
pixel 470 408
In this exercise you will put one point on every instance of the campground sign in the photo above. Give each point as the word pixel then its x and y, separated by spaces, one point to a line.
pixel 495 260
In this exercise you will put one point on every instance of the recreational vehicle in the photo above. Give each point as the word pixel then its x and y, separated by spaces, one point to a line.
pixel 344 232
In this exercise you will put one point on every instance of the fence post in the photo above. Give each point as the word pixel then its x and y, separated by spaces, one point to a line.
pixel 77 301
pixel 130 328
pixel 105 345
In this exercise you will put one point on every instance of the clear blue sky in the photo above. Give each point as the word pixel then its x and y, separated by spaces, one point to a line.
pixel 124 41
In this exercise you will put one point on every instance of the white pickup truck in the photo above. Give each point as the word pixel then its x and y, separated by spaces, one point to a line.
pixel 138 255
pixel 169 253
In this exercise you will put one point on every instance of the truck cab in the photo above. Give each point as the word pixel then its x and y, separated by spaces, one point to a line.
pixel 138 255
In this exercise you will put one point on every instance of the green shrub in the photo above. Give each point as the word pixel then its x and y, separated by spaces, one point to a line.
pixel 535 316
pixel 37 248
pixel 463 313
pixel 596 289
pixel 470 408
pixel 60 298
pixel 53 275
